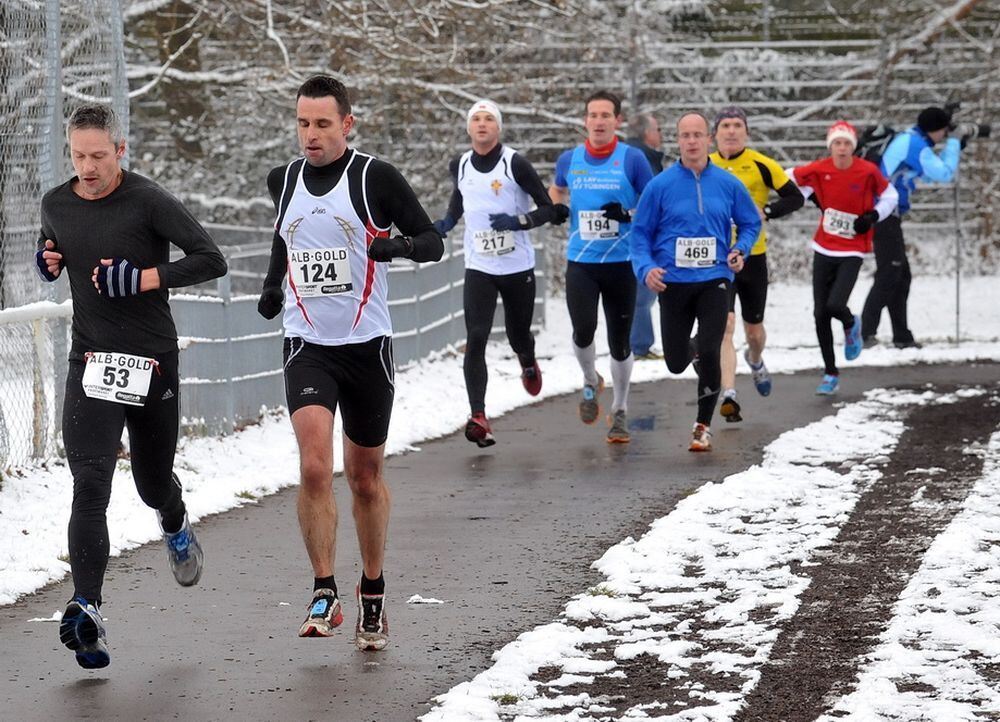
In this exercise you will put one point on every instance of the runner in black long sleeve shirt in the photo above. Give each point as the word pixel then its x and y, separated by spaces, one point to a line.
pixel 335 208
pixel 111 231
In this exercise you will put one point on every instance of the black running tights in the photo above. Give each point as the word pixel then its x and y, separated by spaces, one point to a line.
pixel 833 281
pixel 517 290
pixel 706 302
pixel 614 285
pixel 92 430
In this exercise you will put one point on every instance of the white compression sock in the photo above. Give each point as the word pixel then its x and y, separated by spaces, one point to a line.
pixel 621 375
pixel 586 356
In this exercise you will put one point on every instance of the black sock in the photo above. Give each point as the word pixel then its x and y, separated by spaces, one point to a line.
pixel 527 360
pixel 172 521
pixel 324 583
pixel 372 586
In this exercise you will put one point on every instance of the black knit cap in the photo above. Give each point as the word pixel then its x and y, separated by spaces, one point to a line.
pixel 933 118
pixel 730 111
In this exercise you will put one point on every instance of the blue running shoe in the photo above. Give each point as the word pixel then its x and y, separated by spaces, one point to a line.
pixel 590 407
pixel 759 373
pixel 184 553
pixel 82 630
pixel 828 386
pixel 852 340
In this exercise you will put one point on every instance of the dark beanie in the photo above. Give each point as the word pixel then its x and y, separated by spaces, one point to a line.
pixel 933 118
pixel 730 111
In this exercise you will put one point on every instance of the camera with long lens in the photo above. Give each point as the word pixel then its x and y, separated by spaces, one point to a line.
pixel 966 130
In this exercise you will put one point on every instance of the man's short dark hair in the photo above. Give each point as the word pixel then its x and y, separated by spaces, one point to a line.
pixel 325 86
pixel 604 95
pixel 98 116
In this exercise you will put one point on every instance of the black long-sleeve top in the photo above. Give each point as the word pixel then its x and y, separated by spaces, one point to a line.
pixel 138 221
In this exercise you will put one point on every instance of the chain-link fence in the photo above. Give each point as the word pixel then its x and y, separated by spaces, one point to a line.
pixel 53 55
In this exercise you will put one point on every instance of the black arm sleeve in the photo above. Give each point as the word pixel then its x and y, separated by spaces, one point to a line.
pixel 392 201
pixel 202 259
pixel 526 177
pixel 278 262
pixel 455 208
pixel 790 200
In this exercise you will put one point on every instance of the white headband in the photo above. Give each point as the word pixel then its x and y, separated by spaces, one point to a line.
pixel 487 106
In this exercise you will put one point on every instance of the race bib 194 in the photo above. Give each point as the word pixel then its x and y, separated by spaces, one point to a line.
pixel 493 243
pixel 839 223
pixel 595 227
pixel 695 252
pixel 117 377
pixel 320 271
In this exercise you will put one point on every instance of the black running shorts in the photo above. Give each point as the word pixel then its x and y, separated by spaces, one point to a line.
pixel 751 286
pixel 358 377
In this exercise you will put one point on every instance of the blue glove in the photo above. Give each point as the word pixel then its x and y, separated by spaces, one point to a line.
pixel 42 267
pixel 444 225
pixel 504 222
pixel 119 279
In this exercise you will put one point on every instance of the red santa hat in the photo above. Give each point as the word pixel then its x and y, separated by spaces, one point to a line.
pixel 842 129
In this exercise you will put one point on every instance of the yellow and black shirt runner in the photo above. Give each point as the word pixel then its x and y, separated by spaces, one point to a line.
pixel 760 175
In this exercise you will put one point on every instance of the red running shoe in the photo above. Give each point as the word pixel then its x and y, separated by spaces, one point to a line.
pixel 531 379
pixel 478 431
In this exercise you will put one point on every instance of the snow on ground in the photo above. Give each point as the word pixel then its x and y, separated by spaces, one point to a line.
pixel 938 657
pixel 223 473
pixel 706 589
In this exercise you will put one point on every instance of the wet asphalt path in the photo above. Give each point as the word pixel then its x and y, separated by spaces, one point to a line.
pixel 505 535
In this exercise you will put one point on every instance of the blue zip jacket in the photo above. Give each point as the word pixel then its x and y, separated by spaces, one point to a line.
pixel 910 156
pixel 677 204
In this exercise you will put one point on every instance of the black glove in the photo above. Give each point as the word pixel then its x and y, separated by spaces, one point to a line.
pixel 444 225
pixel 505 222
pixel 119 279
pixel 272 300
pixel 385 249
pixel 42 267
pixel 562 213
pixel 615 212
pixel 865 221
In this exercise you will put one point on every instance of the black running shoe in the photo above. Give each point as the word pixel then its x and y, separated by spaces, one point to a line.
pixel 730 409
pixel 372 631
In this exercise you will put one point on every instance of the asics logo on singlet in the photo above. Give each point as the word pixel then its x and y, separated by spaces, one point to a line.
pixel 318 209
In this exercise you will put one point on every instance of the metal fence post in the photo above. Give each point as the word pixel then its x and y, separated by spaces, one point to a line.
pixel 226 294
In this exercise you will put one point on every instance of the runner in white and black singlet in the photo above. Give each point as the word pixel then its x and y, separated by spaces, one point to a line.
pixel 111 231
pixel 494 188
pixel 335 207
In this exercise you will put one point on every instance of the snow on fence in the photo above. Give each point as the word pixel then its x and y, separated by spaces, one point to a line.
pixel 230 357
